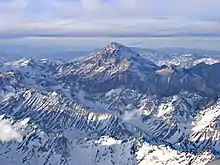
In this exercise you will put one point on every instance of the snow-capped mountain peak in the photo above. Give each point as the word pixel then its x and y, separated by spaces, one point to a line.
pixel 116 55
pixel 116 45
pixel 115 64
pixel 112 107
pixel 117 51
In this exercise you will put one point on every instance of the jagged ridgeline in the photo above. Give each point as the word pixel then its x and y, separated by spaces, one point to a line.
pixel 115 106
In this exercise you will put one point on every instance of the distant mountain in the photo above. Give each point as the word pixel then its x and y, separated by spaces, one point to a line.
pixel 59 56
pixel 182 57
pixel 115 106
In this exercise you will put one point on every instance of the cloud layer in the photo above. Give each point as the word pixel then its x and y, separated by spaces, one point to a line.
pixel 7 132
pixel 118 18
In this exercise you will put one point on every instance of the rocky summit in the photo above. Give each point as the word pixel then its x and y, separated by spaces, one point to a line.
pixel 113 107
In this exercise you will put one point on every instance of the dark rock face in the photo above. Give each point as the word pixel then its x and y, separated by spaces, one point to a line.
pixel 118 66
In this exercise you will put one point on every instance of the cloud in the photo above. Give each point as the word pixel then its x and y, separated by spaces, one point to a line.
pixel 129 115
pixel 126 18
pixel 7 132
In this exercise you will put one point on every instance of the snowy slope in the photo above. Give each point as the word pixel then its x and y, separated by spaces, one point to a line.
pixel 112 107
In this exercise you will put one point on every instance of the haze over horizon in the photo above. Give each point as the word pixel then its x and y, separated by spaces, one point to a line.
pixel 77 47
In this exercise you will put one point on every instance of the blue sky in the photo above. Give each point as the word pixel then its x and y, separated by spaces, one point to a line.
pixel 109 18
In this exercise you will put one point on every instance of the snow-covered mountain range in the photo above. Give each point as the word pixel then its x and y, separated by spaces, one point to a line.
pixel 179 56
pixel 117 106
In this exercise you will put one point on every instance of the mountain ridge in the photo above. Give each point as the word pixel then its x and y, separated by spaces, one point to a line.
pixel 113 106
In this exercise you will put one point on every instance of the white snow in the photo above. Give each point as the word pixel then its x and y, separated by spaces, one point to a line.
pixel 108 141
pixel 162 155
pixel 205 117
pixel 209 61
pixel 166 108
